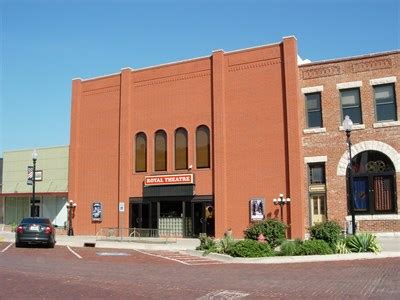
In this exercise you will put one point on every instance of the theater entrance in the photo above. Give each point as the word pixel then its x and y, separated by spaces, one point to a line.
pixel 203 218
pixel 141 211
pixel 176 216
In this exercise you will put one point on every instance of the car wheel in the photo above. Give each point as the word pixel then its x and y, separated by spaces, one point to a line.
pixel 51 245
pixel 18 245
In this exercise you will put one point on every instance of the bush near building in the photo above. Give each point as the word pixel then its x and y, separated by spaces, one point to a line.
pixel 326 238
pixel 363 242
pixel 273 231
pixel 329 231
pixel 251 248
pixel 310 247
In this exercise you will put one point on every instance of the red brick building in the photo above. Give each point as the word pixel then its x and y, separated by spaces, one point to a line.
pixel 364 88
pixel 205 145
pixel 224 119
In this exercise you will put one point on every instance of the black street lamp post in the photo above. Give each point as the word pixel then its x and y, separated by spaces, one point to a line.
pixel 33 207
pixel 70 207
pixel 281 201
pixel 348 126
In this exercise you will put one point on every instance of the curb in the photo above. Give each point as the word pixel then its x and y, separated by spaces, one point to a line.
pixel 293 259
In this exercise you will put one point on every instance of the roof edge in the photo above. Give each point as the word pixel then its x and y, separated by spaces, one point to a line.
pixel 362 56
pixel 184 60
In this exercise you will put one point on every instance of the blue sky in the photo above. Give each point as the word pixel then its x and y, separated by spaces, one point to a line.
pixel 47 43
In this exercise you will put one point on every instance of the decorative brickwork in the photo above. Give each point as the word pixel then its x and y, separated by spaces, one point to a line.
pixel 321 72
pixel 372 65
pixel 365 146
pixel 101 91
pixel 253 65
pixel 173 78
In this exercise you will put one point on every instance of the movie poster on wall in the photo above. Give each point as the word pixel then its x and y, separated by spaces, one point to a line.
pixel 257 209
pixel 97 211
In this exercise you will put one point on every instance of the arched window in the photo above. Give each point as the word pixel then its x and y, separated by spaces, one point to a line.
pixel 141 152
pixel 160 151
pixel 181 149
pixel 373 183
pixel 202 147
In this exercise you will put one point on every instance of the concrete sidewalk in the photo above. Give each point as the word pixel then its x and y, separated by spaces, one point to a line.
pixel 81 241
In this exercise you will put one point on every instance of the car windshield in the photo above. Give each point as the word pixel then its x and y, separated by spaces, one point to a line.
pixel 35 221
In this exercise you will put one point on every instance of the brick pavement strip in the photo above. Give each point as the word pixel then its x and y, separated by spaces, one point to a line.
pixel 49 272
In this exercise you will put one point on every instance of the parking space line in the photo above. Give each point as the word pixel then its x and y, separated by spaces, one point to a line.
pixel 160 256
pixel 207 263
pixel 5 249
pixel 74 253
pixel 188 260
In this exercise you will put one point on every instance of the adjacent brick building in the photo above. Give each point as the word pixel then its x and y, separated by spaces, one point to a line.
pixel 365 88
pixel 205 145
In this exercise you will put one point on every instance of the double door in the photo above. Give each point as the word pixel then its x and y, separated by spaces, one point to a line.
pixel 373 193
pixel 196 217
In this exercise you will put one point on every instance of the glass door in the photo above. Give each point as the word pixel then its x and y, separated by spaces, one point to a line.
pixel 198 218
pixel 318 208
pixel 140 215
pixel 203 218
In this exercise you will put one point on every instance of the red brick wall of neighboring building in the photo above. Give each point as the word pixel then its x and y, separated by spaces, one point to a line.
pixel 332 143
pixel 250 101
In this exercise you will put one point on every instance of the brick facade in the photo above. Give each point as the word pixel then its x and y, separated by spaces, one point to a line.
pixel 328 77
pixel 252 100
pixel 247 98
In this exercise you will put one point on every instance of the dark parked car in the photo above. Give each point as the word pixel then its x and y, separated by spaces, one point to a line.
pixel 35 231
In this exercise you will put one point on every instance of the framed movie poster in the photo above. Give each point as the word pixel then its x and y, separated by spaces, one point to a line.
pixel 257 209
pixel 97 211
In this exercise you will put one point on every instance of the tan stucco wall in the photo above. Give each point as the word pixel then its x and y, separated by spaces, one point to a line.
pixel 53 162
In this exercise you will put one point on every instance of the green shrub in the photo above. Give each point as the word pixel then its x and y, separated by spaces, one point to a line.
pixel 329 231
pixel 299 247
pixel 341 247
pixel 314 247
pixel 251 248
pixel 225 245
pixel 364 242
pixel 207 244
pixel 290 248
pixel 273 231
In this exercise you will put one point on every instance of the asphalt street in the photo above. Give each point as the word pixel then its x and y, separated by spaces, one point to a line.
pixel 67 272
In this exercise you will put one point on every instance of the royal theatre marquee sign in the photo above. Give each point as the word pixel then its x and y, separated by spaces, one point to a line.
pixel 171 179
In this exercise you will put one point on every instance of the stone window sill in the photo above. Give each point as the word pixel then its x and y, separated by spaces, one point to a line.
pixel 388 217
pixel 314 130
pixel 355 127
pixel 386 124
